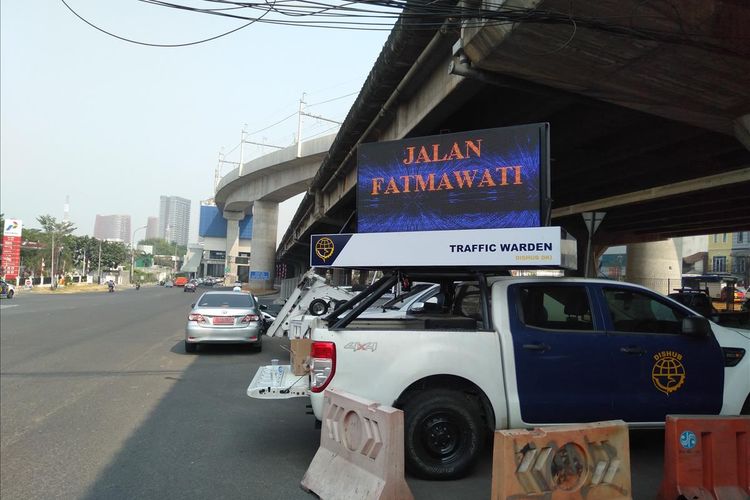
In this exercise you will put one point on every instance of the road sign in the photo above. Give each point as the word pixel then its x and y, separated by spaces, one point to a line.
pixel 260 275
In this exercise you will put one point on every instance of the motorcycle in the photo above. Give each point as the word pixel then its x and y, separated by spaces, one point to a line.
pixel 137 286
pixel 111 287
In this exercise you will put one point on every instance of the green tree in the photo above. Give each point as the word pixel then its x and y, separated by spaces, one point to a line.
pixel 114 253
pixel 56 230
pixel 32 251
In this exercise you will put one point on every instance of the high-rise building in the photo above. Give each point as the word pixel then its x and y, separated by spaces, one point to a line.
pixel 112 228
pixel 152 228
pixel 174 213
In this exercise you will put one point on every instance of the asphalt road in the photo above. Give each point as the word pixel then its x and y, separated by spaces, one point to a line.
pixel 99 400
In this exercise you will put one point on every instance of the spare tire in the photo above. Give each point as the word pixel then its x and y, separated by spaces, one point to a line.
pixel 318 307
pixel 335 304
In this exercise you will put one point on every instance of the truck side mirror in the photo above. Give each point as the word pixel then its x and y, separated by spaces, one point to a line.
pixel 696 326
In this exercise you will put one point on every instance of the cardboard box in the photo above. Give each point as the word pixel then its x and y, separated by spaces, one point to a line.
pixel 300 352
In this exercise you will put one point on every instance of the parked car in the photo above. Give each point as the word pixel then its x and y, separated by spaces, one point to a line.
pixel 190 287
pixel 7 291
pixel 737 294
pixel 224 318
pixel 697 300
pixel 168 284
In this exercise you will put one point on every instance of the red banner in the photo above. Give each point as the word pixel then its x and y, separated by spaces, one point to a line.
pixel 11 259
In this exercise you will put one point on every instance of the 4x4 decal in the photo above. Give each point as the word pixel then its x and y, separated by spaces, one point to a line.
pixel 362 346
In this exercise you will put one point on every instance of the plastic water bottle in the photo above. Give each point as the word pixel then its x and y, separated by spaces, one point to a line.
pixel 275 372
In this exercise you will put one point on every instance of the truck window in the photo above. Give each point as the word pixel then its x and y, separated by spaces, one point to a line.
pixel 635 311
pixel 468 302
pixel 556 307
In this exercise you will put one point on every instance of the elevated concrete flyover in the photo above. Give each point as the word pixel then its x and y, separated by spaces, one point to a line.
pixel 257 187
pixel 648 105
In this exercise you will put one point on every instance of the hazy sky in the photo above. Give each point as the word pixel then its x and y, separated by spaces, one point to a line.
pixel 115 125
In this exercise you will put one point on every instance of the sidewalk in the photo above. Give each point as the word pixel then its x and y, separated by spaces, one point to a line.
pixel 61 289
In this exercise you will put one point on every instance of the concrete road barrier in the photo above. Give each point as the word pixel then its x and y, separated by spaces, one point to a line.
pixel 361 453
pixel 587 461
pixel 706 458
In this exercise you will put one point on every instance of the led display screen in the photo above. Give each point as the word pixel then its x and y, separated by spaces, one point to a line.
pixel 483 179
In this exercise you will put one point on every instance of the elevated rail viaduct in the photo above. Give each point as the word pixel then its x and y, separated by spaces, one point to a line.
pixel 648 105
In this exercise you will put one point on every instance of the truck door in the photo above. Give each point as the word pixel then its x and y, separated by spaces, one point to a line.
pixel 562 360
pixel 659 370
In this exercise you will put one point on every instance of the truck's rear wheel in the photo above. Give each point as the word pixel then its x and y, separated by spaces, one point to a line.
pixel 443 433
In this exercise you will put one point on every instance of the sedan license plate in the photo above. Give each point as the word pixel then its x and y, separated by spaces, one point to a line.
pixel 224 320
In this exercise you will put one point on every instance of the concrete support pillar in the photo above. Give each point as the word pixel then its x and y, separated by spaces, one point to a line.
pixel 339 277
pixel 655 265
pixel 364 277
pixel 263 254
pixel 233 246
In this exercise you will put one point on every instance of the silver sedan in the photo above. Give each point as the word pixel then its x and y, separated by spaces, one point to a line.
pixel 224 318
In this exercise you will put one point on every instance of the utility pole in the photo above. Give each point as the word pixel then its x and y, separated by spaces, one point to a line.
pixel 99 267
pixel 299 126
pixel 132 251
pixel 52 263
pixel 242 148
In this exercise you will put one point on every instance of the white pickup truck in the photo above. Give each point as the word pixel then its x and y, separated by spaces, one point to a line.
pixel 501 352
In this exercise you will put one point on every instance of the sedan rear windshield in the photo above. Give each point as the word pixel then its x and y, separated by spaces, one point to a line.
pixel 226 300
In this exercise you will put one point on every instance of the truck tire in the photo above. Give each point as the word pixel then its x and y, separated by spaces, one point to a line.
pixel 318 307
pixel 335 304
pixel 443 433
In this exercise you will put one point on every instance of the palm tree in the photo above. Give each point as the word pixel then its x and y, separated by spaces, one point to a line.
pixel 56 229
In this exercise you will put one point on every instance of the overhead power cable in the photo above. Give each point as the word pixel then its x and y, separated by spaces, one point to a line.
pixel 431 14
pixel 334 99
pixel 163 45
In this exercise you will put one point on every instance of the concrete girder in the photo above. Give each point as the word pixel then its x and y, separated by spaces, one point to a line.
pixel 275 187
pixel 271 171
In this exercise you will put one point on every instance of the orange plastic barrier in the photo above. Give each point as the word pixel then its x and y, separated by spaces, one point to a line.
pixel 706 458
pixel 590 461
pixel 361 453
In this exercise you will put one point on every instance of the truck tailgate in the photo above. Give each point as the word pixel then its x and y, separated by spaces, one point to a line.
pixel 278 382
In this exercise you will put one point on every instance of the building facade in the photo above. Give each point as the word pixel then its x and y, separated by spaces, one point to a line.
pixel 152 228
pixel 740 255
pixel 212 245
pixel 174 219
pixel 720 253
pixel 112 228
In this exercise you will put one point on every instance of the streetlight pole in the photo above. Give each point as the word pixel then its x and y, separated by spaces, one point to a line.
pixel 52 263
pixel 99 266
pixel 132 251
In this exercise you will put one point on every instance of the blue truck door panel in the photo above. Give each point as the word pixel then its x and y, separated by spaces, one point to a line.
pixel 658 370
pixel 562 354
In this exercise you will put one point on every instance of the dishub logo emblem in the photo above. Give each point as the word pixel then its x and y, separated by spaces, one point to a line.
pixel 668 373
pixel 324 248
